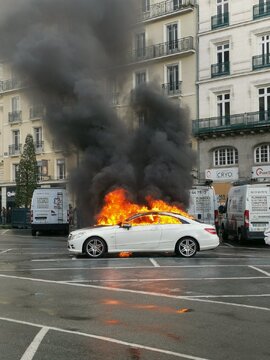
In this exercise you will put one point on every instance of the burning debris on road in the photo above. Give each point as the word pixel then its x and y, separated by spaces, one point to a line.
pixel 65 49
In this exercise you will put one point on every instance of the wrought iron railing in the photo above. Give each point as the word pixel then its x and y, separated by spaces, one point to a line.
pixel 236 122
pixel 219 20
pixel 39 146
pixel 261 10
pixel 162 49
pixel 260 61
pixel 11 84
pixel 220 69
pixel 36 112
pixel 14 116
pixel 165 8
pixel 172 88
pixel 15 149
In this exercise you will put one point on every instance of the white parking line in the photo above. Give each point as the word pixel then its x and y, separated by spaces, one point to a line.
pixel 5 251
pixel 260 270
pixel 154 262
pixel 102 338
pixel 4 232
pixel 188 298
pixel 32 348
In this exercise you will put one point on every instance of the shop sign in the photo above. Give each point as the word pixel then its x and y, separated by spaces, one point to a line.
pixel 260 172
pixel 227 174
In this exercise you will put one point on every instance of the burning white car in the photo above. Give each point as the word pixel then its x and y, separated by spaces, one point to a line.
pixel 145 232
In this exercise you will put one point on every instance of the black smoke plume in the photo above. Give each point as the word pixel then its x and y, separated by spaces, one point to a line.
pixel 65 49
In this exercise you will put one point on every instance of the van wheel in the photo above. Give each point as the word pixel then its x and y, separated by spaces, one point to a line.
pixel 33 232
pixel 186 247
pixel 95 247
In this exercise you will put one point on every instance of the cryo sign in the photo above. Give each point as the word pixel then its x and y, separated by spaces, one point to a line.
pixel 221 174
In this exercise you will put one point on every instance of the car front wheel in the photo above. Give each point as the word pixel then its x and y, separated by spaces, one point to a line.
pixel 186 247
pixel 95 247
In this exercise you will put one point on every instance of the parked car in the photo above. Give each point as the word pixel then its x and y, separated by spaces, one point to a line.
pixel 267 236
pixel 146 232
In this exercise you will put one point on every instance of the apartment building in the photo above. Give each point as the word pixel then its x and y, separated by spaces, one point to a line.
pixel 233 123
pixel 19 116
pixel 163 52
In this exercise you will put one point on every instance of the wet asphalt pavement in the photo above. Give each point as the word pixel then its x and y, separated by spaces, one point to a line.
pixel 157 306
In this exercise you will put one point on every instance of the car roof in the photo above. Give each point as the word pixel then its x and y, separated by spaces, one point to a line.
pixel 167 213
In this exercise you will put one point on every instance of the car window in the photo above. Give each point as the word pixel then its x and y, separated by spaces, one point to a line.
pixel 145 220
pixel 167 219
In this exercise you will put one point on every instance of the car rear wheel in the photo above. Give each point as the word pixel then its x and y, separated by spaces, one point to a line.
pixel 186 247
pixel 95 247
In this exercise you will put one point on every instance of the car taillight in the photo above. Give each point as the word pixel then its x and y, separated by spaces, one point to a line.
pixel 211 230
pixel 216 217
pixel 246 218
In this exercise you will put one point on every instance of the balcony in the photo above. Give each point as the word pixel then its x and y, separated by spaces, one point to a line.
pixel 166 8
pixel 219 20
pixel 260 61
pixel 39 146
pixel 261 10
pixel 220 69
pixel 11 84
pixel 253 121
pixel 36 112
pixel 15 117
pixel 15 149
pixel 172 88
pixel 179 46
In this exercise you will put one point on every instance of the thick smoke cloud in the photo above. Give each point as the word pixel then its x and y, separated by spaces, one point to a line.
pixel 65 49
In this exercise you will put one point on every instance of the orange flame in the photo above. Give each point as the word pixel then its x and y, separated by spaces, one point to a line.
pixel 118 208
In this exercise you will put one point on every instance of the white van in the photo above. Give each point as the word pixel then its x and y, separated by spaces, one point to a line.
pixel 247 212
pixel 50 210
pixel 203 204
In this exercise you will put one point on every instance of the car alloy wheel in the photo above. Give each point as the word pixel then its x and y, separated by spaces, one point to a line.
pixel 187 247
pixel 95 247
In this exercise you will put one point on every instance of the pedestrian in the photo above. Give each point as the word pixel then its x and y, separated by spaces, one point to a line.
pixel 8 215
pixel 4 215
pixel 0 216
pixel 71 215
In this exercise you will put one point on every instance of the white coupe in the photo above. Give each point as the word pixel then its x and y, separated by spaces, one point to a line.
pixel 145 232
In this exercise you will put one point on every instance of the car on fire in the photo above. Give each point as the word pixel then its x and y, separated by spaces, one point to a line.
pixel 145 232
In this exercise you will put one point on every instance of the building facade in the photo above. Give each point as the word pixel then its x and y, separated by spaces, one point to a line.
pixel 233 122
pixel 20 116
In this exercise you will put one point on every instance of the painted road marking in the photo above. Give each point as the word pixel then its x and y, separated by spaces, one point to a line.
pixel 4 232
pixel 260 270
pixel 5 251
pixel 32 348
pixel 188 298
pixel 154 262
pixel 102 338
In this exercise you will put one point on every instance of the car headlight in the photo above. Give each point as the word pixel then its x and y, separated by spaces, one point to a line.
pixel 77 235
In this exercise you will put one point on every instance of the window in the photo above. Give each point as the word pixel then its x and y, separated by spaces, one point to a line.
pixel 225 156
pixel 15 103
pixel 42 169
pixel 61 169
pixel 264 104
pixel 15 169
pixel 145 5
pixel 262 154
pixel 38 138
pixel 223 53
pixel 140 44
pixel 222 7
pixel 172 37
pixel 223 108
pixel 140 78
pixel 173 78
pixel 264 6
pixel 177 4
pixel 16 139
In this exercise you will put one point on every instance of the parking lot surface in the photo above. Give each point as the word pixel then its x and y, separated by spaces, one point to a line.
pixel 145 306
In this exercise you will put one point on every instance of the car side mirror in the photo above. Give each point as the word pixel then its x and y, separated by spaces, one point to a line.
pixel 126 225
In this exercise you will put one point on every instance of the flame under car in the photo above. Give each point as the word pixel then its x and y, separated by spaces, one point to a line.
pixel 145 232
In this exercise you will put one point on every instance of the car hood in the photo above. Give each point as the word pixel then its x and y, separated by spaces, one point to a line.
pixel 93 228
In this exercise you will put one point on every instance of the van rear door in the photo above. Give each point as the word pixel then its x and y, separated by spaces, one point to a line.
pixel 259 208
